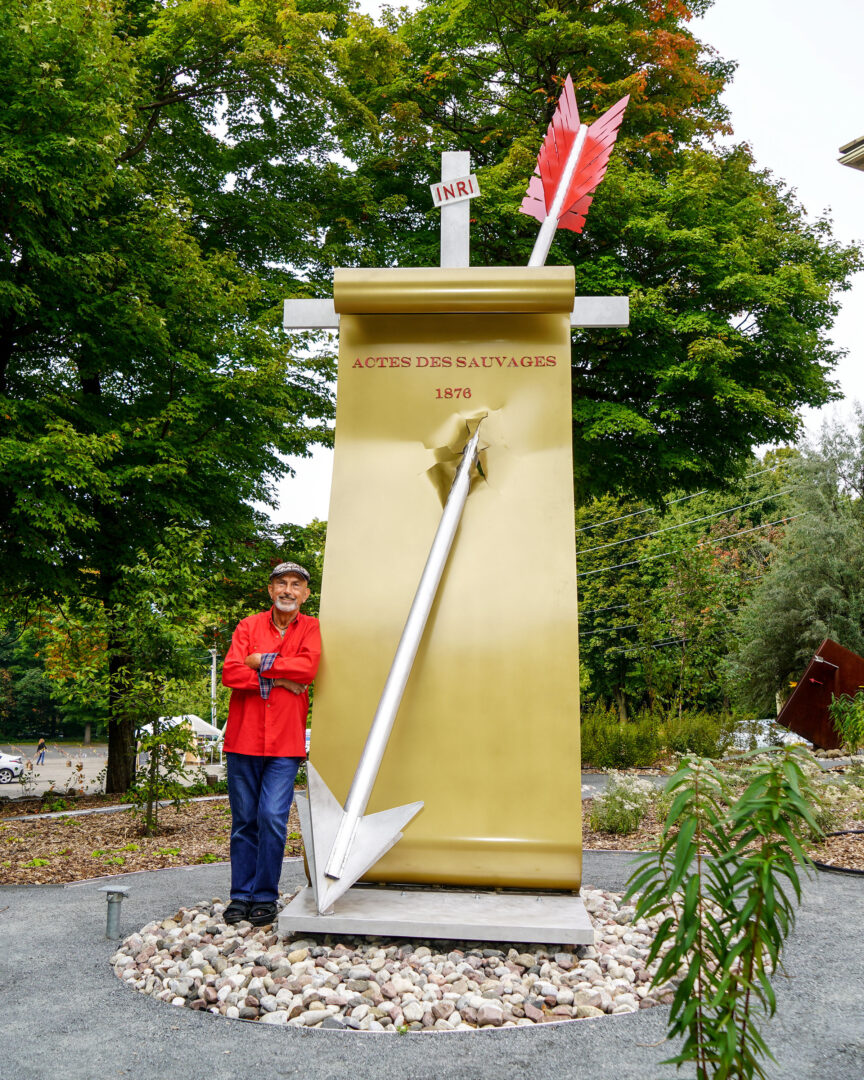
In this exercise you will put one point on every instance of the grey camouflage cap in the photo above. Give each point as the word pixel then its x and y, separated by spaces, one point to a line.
pixel 289 568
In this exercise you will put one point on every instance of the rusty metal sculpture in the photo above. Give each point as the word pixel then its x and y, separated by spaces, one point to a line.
pixel 832 671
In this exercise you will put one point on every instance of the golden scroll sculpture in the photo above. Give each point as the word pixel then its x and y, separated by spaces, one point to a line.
pixel 487 735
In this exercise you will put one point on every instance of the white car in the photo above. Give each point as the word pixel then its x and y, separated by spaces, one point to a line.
pixel 10 767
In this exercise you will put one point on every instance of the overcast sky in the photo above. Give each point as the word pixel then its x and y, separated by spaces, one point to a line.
pixel 795 98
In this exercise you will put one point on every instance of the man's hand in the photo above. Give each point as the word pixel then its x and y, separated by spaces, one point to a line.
pixel 289 684
pixel 253 660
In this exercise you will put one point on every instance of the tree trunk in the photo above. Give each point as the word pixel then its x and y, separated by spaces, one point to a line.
pixel 87 730
pixel 120 771
pixel 621 702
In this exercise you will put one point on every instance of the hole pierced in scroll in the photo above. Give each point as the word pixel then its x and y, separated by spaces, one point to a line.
pixel 448 456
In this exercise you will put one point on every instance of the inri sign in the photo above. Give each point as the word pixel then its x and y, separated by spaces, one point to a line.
pixel 453 191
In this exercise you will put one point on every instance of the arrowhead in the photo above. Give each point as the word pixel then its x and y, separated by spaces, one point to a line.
pixel 320 817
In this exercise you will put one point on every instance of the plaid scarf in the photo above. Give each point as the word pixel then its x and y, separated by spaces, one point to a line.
pixel 266 685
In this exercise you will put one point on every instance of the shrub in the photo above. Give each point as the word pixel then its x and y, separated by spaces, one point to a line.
pixel 622 806
pixel 847 716
pixel 609 744
pixel 699 733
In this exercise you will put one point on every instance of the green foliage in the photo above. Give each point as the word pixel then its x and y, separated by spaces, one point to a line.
pixel 727 878
pixel 609 744
pixel 160 165
pixel 621 808
pixel 847 715
pixel 812 589
pixel 703 734
pixel 27 708
pixel 163 778
pixel 659 587
pixel 206 787
pixel 53 806
pixel 733 290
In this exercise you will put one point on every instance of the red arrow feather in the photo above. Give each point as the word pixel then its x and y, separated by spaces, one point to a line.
pixel 552 160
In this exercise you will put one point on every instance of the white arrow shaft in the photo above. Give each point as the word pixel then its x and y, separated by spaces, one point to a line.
pixel 550 223
pixel 403 661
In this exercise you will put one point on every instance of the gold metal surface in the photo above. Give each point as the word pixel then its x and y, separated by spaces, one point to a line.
pixel 488 731
pixel 425 289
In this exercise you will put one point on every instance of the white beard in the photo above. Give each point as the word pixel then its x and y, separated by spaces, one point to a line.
pixel 285 604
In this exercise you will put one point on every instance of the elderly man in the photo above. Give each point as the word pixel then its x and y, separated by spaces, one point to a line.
pixel 272 660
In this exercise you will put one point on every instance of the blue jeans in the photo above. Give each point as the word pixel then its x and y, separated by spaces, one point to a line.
pixel 260 790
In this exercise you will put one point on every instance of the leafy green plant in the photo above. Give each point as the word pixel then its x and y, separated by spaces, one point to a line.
pixel 607 743
pixel 163 777
pixel 54 806
pixel 167 851
pixel 622 806
pixel 209 857
pixel 727 877
pixel 700 733
pixel 847 716
pixel 36 862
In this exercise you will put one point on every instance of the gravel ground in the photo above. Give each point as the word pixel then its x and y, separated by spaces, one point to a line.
pixel 66 1013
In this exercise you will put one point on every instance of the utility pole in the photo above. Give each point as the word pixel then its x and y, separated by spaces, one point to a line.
pixel 213 656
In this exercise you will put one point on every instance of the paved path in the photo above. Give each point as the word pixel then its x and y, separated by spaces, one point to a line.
pixel 61 770
pixel 66 1014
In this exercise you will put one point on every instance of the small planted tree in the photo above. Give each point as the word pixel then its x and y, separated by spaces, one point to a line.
pixel 847 716
pixel 137 652
pixel 727 873
pixel 165 775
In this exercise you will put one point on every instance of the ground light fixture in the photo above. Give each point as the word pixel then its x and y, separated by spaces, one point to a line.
pixel 115 899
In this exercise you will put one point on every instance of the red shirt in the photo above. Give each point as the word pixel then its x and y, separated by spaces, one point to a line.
pixel 275 727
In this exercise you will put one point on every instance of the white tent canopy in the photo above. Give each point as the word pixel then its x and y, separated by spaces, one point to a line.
pixel 199 726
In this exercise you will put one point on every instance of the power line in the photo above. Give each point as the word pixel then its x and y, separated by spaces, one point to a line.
pixel 704 543
pixel 692 521
pixel 672 502
pixel 731 608
pixel 611 607
pixel 609 629
pixel 653 645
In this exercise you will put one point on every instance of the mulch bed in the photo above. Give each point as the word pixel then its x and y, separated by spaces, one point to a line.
pixel 840 850
pixel 65 849
pixel 53 803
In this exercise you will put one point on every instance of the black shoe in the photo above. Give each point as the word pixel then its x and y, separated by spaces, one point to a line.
pixel 262 914
pixel 237 911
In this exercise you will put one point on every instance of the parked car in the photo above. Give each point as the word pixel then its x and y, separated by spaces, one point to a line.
pixel 10 767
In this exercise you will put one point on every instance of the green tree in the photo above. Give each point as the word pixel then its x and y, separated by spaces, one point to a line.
pixel 813 588
pixel 157 165
pixel 732 289
pixel 26 706
pixel 659 588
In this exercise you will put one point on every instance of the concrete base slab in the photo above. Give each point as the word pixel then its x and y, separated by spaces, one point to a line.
pixel 458 915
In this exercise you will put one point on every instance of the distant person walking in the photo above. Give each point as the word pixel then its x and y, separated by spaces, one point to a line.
pixel 41 747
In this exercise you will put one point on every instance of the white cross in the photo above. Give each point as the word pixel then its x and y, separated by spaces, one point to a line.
pixel 588 311
pixel 455 218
